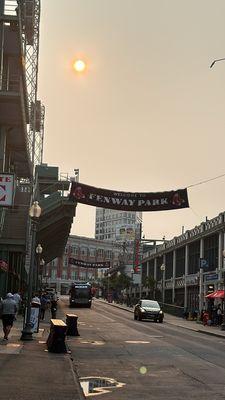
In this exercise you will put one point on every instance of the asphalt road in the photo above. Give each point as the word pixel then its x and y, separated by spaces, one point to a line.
pixel 154 361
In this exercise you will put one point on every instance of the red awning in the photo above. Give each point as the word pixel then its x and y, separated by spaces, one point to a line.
pixel 218 294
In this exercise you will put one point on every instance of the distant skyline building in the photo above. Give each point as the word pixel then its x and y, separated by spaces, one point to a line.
pixel 117 225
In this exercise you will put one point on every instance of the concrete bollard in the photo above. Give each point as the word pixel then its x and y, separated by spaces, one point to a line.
pixel 71 322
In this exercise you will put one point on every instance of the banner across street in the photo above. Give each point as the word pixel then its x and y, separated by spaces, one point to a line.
pixel 128 201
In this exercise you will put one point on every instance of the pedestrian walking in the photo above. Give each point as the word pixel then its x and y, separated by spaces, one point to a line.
pixel 36 300
pixel 54 306
pixel 8 310
pixel 17 299
pixel 219 314
pixel 44 305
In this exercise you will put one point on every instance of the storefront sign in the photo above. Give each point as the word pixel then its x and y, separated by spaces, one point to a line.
pixel 126 233
pixel 191 280
pixel 127 201
pixel 211 277
pixel 6 189
pixel 86 264
pixel 136 279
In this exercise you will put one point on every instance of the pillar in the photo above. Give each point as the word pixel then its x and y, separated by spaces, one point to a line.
pixel 201 278
pixel 2 148
pixel 220 257
pixel 174 275
pixel 185 275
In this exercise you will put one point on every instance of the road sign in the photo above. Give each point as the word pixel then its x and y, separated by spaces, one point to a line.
pixel 211 277
pixel 6 189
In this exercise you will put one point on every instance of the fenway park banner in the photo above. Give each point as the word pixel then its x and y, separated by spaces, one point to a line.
pixel 86 264
pixel 127 201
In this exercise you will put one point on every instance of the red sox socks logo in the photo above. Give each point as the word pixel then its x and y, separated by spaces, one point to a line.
pixel 2 192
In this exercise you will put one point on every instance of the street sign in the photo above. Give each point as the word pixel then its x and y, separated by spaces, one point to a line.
pixel 203 263
pixel 136 279
pixel 6 189
pixel 211 277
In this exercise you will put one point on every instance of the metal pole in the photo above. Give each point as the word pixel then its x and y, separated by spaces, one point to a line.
pixel 108 289
pixel 200 290
pixel 140 260
pixel 2 7
pixel 27 330
pixel 223 324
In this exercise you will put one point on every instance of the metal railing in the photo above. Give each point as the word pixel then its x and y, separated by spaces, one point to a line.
pixel 10 82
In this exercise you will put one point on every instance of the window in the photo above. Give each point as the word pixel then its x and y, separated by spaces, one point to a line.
pixel 211 251
pixel 73 275
pixel 180 262
pixel 159 274
pixel 92 252
pixel 100 253
pixel 194 255
pixel 64 274
pixel 169 265
pixel 53 274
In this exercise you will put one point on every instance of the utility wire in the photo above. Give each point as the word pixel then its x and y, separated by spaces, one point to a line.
pixel 205 181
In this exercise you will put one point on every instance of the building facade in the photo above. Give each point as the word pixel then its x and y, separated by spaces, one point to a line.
pixel 114 225
pixel 189 266
pixel 60 273
pixel 21 151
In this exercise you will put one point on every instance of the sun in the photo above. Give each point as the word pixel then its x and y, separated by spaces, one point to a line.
pixel 79 65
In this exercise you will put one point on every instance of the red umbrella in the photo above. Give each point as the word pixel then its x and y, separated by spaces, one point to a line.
pixel 218 294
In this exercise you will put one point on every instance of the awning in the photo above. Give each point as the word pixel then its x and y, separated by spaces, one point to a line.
pixel 218 294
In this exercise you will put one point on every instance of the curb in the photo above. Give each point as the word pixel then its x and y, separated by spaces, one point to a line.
pixel 211 334
pixel 170 323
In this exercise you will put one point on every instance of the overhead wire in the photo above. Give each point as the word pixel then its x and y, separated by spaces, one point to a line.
pixel 206 181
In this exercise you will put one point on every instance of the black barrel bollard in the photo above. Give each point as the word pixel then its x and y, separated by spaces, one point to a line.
pixel 71 322
pixel 57 336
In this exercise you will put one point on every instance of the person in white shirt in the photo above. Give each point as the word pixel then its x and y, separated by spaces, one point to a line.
pixel 17 299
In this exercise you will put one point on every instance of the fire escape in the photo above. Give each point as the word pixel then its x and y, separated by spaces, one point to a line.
pixel 21 146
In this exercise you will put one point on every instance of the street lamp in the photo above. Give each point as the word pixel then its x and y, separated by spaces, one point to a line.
pixel 219 59
pixel 34 213
pixel 163 268
pixel 223 324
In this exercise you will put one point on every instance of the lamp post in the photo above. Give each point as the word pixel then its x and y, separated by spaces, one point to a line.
pixel 34 213
pixel 39 250
pixel 42 264
pixel 223 324
pixel 109 276
pixel 163 268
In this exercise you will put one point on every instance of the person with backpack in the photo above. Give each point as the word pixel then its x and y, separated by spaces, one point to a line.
pixel 8 310
pixel 44 305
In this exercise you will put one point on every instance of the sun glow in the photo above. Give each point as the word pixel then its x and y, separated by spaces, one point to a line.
pixel 79 65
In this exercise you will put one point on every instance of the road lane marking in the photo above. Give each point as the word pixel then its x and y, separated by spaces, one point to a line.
pixel 136 341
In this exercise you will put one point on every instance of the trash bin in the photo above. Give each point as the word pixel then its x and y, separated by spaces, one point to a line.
pixel 71 322
pixel 57 336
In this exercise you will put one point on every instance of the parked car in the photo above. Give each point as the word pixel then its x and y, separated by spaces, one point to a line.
pixel 148 309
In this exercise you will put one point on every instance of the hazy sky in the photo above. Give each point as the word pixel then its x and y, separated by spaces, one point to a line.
pixel 149 115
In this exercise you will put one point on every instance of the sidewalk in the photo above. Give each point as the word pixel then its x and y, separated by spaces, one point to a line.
pixel 29 371
pixel 180 322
